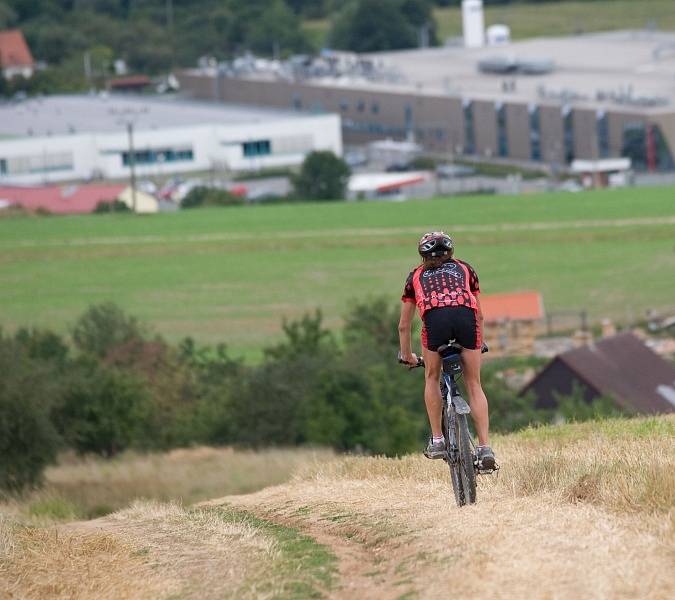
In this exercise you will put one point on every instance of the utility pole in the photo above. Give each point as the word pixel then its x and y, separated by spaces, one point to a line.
pixel 132 163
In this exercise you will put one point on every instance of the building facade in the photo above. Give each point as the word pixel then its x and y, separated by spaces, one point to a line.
pixel 542 101
pixel 231 141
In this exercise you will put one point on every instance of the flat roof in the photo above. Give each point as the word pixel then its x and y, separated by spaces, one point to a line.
pixel 587 65
pixel 599 69
pixel 102 113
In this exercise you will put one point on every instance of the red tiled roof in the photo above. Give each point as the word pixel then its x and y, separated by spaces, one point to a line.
pixel 57 200
pixel 14 51
pixel 515 306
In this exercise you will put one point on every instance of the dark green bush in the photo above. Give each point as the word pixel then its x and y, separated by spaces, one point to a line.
pixel 28 439
pixel 204 196
pixel 103 327
pixel 103 410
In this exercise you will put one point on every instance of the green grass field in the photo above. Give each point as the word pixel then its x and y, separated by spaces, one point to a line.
pixel 232 274
pixel 532 20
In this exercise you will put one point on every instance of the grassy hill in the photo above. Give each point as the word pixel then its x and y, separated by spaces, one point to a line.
pixel 232 274
pixel 577 511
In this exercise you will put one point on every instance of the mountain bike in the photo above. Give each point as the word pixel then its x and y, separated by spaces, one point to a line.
pixel 461 451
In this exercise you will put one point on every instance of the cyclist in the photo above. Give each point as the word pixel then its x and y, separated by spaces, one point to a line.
pixel 445 291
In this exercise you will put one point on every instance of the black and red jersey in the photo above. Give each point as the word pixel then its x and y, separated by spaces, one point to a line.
pixel 454 283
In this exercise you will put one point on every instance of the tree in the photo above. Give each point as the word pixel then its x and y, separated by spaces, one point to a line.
pixel 103 327
pixel 28 439
pixel 373 25
pixel 323 176
pixel 103 410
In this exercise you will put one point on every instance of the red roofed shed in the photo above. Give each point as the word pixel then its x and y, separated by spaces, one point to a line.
pixel 15 56
pixel 514 306
pixel 57 200
pixel 510 320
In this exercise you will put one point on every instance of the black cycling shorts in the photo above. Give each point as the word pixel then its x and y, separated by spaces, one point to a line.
pixel 459 323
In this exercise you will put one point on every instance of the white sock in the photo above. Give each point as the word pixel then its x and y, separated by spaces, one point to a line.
pixel 435 439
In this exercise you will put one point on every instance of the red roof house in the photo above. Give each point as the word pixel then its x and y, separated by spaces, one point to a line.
pixel 514 306
pixel 15 56
pixel 54 199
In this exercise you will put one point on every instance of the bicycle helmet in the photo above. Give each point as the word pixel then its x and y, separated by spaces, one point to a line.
pixel 435 243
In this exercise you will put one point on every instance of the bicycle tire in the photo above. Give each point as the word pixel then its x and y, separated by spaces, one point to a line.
pixel 455 475
pixel 466 460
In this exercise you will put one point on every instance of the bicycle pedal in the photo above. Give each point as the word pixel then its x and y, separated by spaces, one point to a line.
pixel 488 471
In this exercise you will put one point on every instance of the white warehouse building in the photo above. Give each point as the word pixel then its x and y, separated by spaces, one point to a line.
pixel 71 138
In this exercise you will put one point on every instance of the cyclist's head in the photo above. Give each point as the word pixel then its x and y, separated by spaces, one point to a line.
pixel 435 244
pixel 435 247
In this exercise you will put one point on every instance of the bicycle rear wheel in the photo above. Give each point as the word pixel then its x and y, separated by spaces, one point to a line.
pixel 449 433
pixel 467 471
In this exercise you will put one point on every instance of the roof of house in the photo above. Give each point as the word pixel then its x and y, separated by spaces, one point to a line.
pixel 61 200
pixel 624 367
pixel 14 51
pixel 514 306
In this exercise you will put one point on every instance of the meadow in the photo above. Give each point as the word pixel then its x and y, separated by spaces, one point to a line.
pixel 231 275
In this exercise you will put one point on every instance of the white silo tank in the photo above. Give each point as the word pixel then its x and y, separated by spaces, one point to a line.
pixel 474 23
pixel 498 35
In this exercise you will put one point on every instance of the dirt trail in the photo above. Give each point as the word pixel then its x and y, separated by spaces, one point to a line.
pixel 414 540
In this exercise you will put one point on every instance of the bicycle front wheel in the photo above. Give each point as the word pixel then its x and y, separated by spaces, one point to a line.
pixel 467 471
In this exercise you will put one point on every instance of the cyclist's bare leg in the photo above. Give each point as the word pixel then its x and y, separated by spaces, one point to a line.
pixel 479 405
pixel 432 390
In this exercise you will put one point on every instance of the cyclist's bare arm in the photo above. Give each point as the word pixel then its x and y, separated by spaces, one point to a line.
pixel 404 335
pixel 479 316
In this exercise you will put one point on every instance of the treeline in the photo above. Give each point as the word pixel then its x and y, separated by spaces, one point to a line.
pixel 112 384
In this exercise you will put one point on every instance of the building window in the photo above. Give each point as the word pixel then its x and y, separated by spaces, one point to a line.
pixel 602 129
pixel 375 108
pixel 344 106
pixel 469 131
pixel 535 133
pixel 408 116
pixel 297 102
pixel 568 134
pixel 502 134
pixel 361 106
pixel 663 159
pixel 258 148
pixel 154 156
pixel 3 166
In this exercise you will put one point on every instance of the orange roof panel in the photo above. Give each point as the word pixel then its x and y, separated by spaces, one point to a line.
pixel 14 51
pixel 514 306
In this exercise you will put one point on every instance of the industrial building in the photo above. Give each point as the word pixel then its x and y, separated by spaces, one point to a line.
pixel 545 101
pixel 72 138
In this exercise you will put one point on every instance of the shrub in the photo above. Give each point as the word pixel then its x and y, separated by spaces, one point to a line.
pixel 204 196
pixel 103 411
pixel 103 327
pixel 112 206
pixel 28 439
pixel 323 176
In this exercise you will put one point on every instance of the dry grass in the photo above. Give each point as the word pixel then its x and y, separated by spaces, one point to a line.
pixel 38 563
pixel 84 488
pixel 580 511
pixel 625 466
